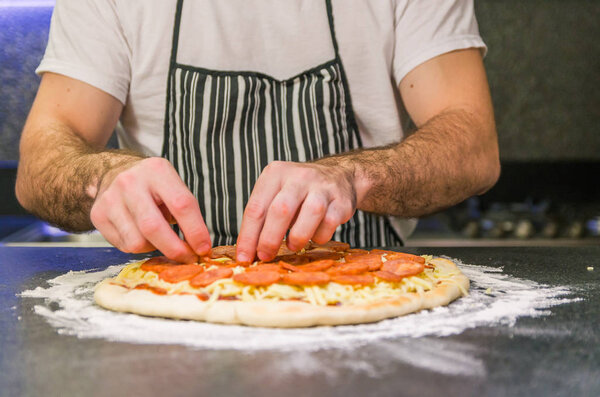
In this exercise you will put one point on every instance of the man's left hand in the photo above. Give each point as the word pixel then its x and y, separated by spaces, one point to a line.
pixel 308 199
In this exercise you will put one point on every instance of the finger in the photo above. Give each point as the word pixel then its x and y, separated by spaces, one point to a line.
pixel 105 227
pixel 165 211
pixel 309 218
pixel 184 209
pixel 336 214
pixel 280 214
pixel 177 203
pixel 131 240
pixel 155 228
pixel 265 189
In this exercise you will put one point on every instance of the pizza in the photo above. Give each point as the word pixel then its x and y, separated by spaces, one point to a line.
pixel 329 284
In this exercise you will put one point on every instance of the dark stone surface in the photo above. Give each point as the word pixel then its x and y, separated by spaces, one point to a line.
pixel 556 355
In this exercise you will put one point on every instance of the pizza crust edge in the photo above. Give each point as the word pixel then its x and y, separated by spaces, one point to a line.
pixel 282 314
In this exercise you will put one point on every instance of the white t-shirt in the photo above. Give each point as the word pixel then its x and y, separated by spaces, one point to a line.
pixel 123 47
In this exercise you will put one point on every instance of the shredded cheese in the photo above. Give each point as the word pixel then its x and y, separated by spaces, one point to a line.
pixel 329 294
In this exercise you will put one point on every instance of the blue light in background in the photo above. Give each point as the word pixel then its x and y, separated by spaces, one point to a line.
pixel 52 231
pixel 27 3
pixel 24 29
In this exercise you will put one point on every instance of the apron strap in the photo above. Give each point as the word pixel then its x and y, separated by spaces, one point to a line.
pixel 177 24
pixel 332 29
pixel 347 97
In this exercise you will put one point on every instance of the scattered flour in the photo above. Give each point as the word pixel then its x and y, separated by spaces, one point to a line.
pixel 495 298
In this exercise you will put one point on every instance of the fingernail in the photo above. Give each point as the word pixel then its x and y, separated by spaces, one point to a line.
pixel 263 256
pixel 204 249
pixel 243 257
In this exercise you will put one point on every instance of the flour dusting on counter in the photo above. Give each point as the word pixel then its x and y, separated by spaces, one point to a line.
pixel 495 298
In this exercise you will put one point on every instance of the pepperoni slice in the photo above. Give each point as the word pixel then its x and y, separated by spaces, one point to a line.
pixel 223 251
pixel 402 267
pixel 381 252
pixel 178 273
pixel 210 276
pixel 356 251
pixel 293 259
pixel 289 266
pixel 332 246
pixel 161 260
pixel 349 268
pixel 231 264
pixel 361 257
pixel 316 266
pixel 391 255
pixel 207 261
pixel 306 278
pixel 156 290
pixel 374 261
pixel 243 264
pixel 284 250
pixel 229 298
pixel 262 279
pixel 203 297
pixel 353 279
pixel 321 255
pixel 154 268
pixel 388 276
pixel 157 264
pixel 271 267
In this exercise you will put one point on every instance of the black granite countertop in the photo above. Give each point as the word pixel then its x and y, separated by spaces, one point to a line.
pixel 553 355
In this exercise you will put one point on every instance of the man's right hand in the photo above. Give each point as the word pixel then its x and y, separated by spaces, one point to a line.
pixel 136 203
pixel 66 176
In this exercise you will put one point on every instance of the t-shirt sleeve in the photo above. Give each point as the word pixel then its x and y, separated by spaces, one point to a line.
pixel 87 43
pixel 425 29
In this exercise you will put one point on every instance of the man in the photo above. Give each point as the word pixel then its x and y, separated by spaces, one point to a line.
pixel 264 117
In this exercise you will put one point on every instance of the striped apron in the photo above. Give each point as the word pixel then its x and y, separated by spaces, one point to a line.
pixel 222 128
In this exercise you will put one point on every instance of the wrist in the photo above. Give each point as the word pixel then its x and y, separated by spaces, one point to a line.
pixel 112 166
pixel 362 184
pixel 348 169
pixel 368 172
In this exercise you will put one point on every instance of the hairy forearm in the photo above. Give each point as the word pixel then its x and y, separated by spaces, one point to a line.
pixel 450 158
pixel 59 174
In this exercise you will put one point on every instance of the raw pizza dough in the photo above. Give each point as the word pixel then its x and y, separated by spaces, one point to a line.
pixel 281 313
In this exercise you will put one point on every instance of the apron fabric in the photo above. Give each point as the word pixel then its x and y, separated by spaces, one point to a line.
pixel 223 128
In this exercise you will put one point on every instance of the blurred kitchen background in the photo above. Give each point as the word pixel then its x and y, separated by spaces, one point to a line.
pixel 543 66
